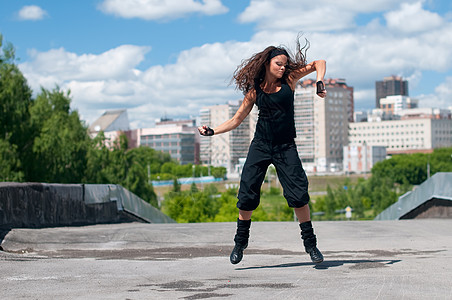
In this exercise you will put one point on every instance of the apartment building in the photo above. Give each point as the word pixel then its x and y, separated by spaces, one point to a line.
pixel 225 149
pixel 322 124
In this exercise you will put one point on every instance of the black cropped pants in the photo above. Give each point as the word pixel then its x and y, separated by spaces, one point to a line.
pixel 288 167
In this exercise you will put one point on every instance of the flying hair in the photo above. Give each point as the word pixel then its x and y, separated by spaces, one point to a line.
pixel 251 72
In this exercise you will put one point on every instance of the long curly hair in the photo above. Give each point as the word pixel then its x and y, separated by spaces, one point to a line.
pixel 251 72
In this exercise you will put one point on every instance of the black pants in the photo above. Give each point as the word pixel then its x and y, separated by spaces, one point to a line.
pixel 288 167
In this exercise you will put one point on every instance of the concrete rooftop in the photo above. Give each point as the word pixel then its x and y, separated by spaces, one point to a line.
pixel 409 259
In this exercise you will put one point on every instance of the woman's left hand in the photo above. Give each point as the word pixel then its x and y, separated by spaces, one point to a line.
pixel 321 91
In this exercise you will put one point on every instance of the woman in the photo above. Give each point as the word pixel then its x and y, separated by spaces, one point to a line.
pixel 268 79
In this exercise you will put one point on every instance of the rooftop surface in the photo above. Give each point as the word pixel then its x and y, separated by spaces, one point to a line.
pixel 409 259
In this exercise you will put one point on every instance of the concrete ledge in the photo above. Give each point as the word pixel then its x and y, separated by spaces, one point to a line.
pixel 36 205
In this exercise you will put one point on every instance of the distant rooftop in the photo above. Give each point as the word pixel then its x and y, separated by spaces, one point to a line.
pixel 111 120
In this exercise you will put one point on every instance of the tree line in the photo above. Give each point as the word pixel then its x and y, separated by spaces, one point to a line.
pixel 207 205
pixel 389 180
pixel 43 140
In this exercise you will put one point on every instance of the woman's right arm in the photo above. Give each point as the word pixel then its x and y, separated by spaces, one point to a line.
pixel 243 111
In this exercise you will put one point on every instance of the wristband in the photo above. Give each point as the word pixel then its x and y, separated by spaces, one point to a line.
pixel 320 87
pixel 209 132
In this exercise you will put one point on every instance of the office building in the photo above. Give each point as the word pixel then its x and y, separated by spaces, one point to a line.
pixel 392 85
pixel 175 138
pixel 406 135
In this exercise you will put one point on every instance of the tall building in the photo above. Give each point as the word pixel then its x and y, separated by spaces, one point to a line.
pixel 392 85
pixel 322 124
pixel 225 149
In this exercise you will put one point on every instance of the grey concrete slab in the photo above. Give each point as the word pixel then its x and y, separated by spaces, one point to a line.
pixel 410 259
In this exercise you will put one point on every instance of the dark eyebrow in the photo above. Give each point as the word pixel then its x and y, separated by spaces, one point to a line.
pixel 282 62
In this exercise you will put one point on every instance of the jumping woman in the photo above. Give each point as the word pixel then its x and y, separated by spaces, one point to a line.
pixel 268 79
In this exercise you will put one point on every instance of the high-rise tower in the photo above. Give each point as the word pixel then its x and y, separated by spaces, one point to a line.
pixel 392 85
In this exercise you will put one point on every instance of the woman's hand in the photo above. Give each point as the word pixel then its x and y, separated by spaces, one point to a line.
pixel 321 91
pixel 205 130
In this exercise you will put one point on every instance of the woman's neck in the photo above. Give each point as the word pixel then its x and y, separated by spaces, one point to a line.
pixel 271 86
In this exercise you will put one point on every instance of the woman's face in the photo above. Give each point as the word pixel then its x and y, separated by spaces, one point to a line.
pixel 277 66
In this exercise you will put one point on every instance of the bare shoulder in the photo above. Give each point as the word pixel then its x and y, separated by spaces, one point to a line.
pixel 250 97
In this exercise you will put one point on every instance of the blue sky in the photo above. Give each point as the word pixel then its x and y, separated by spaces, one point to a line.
pixel 170 58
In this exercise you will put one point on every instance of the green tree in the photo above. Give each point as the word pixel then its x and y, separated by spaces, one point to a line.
pixel 218 172
pixel 110 162
pixel 98 161
pixel 440 160
pixel 9 163
pixel 193 188
pixel 188 207
pixel 176 186
pixel 330 203
pixel 15 135
pixel 382 193
pixel 228 212
pixel 355 201
pixel 403 168
pixel 137 183
pixel 168 167
pixel 61 140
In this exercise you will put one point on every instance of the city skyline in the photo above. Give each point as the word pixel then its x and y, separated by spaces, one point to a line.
pixel 171 58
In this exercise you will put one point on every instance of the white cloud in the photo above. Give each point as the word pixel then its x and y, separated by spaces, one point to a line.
pixel 117 63
pixel 374 51
pixel 442 97
pixel 412 18
pixel 161 9
pixel 275 15
pixel 200 76
pixel 364 99
pixel 110 80
pixel 308 16
pixel 31 12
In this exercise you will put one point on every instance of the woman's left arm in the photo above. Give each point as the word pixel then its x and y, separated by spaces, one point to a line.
pixel 318 65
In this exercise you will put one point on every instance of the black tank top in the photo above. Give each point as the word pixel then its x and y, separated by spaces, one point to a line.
pixel 276 115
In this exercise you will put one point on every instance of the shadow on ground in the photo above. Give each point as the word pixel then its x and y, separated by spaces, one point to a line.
pixel 356 264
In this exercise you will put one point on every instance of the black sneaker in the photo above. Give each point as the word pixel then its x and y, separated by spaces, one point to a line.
pixel 316 255
pixel 237 253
